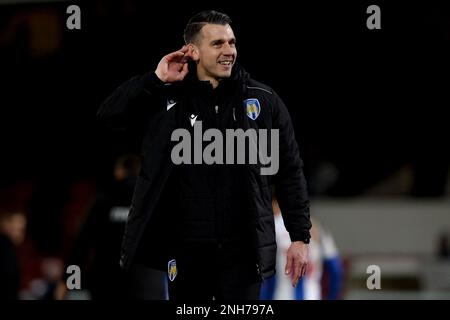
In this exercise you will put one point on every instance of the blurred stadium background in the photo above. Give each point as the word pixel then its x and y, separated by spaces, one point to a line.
pixel 368 107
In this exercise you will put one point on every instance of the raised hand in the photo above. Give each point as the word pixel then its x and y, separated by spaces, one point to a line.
pixel 174 66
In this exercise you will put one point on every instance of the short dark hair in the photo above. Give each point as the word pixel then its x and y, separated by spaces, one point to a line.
pixel 198 21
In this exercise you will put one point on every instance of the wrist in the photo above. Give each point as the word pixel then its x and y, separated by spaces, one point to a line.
pixel 301 242
pixel 160 77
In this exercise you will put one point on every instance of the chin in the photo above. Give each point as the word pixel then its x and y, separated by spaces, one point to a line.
pixel 225 74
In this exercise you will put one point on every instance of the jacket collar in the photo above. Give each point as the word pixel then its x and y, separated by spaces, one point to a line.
pixel 238 77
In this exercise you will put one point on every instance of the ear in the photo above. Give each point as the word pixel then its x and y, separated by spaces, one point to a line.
pixel 193 52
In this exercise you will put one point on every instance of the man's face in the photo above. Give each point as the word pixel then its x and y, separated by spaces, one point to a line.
pixel 215 52
pixel 14 227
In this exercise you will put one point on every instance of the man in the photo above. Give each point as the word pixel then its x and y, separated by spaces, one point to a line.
pixel 209 225
pixel 96 248
pixel 12 234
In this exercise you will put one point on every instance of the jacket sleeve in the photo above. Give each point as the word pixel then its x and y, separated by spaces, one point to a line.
pixel 125 105
pixel 290 182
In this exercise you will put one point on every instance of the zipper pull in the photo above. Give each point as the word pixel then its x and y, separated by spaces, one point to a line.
pixel 217 109
pixel 258 270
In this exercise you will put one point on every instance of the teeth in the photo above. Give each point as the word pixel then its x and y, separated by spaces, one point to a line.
pixel 225 62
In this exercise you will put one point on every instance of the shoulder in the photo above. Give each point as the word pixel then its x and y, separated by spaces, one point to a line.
pixel 267 97
pixel 256 87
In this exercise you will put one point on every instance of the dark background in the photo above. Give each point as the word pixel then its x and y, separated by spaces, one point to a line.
pixel 368 101
pixel 365 103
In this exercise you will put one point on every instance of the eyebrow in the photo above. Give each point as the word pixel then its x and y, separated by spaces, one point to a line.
pixel 220 41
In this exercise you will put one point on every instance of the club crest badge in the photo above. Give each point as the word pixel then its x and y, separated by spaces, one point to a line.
pixel 172 269
pixel 252 108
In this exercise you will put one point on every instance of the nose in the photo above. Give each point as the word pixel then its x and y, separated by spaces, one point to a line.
pixel 228 50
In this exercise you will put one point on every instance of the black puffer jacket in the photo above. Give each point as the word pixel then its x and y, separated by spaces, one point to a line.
pixel 146 105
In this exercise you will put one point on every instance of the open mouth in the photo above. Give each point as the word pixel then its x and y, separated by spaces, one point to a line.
pixel 226 62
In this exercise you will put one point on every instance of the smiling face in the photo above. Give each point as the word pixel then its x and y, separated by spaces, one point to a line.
pixel 214 50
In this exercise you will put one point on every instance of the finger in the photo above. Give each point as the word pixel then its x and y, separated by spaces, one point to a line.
pixel 297 272
pixel 183 72
pixel 186 58
pixel 189 53
pixel 183 50
pixel 287 270
pixel 174 55
pixel 304 270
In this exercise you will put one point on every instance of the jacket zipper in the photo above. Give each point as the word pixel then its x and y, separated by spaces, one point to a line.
pixel 220 213
pixel 258 271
